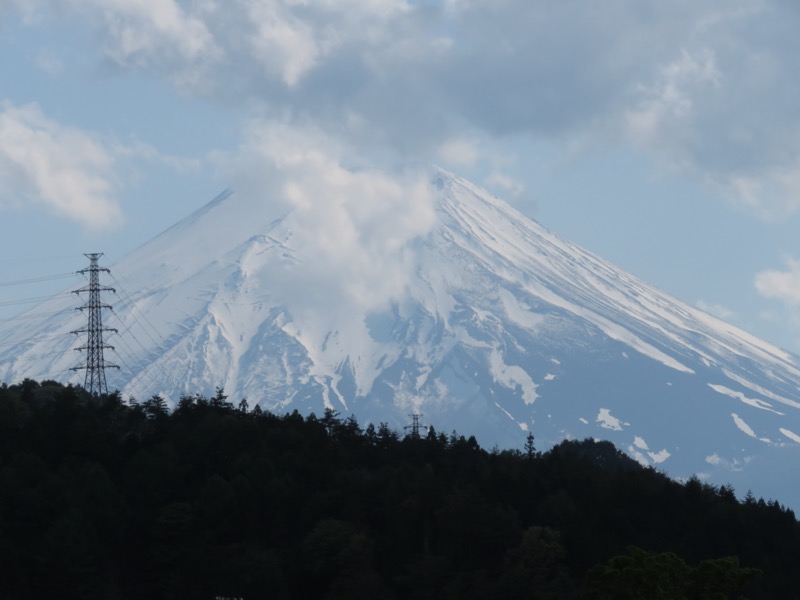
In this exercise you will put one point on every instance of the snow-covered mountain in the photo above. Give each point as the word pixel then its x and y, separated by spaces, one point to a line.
pixel 485 322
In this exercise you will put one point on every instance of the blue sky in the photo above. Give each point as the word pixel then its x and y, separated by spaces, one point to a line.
pixel 662 136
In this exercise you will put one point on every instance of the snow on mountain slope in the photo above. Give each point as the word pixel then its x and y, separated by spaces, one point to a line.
pixel 484 321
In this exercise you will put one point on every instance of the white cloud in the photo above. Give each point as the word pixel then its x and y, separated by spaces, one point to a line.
pixel 140 30
pixel 723 110
pixel 460 152
pixel 352 225
pixel 65 169
pixel 29 10
pixel 49 62
pixel 169 35
pixel 706 87
pixel 510 185
pixel 283 43
pixel 716 309
pixel 773 192
pixel 138 150
pixel 781 285
pixel 669 101
pixel 200 42
pixel 290 38
pixel 68 171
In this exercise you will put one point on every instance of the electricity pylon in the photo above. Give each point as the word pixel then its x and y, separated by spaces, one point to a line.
pixel 415 425
pixel 95 365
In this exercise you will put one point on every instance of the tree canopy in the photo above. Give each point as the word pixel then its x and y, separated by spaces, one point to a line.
pixel 105 499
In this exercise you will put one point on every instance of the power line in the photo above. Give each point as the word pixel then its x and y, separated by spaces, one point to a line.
pixel 147 382
pixel 36 315
pixel 33 299
pixel 167 376
pixel 130 345
pixel 40 259
pixel 36 279
pixel 33 341
pixel 127 297
pixel 127 366
pixel 45 355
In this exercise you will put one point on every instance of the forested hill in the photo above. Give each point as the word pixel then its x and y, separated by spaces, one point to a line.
pixel 100 499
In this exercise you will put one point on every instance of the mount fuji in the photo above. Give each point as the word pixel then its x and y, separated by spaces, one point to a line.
pixel 477 317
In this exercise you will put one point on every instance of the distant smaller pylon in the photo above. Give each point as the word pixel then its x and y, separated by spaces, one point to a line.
pixel 415 425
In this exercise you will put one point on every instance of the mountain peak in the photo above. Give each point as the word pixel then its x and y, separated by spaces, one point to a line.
pixel 448 303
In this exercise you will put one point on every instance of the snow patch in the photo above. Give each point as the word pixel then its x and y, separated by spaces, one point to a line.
pixel 640 447
pixel 743 427
pixel 790 434
pixel 613 330
pixel 759 389
pixel 513 376
pixel 733 465
pixel 754 402
pixel 508 414
pixel 607 421
pixel 659 457
pixel 638 456
pixel 519 313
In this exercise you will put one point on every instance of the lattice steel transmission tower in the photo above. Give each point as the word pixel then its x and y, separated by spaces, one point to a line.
pixel 415 425
pixel 95 365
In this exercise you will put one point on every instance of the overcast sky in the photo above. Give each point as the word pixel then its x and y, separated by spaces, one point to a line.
pixel 663 136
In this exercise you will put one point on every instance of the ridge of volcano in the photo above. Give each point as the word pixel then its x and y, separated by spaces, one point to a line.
pixel 483 321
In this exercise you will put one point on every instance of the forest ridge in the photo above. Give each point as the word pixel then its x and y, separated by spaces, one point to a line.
pixel 105 499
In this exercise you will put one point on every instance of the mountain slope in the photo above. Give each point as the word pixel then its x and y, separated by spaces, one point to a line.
pixel 485 322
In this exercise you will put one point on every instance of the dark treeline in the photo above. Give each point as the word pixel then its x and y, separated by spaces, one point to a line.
pixel 102 499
